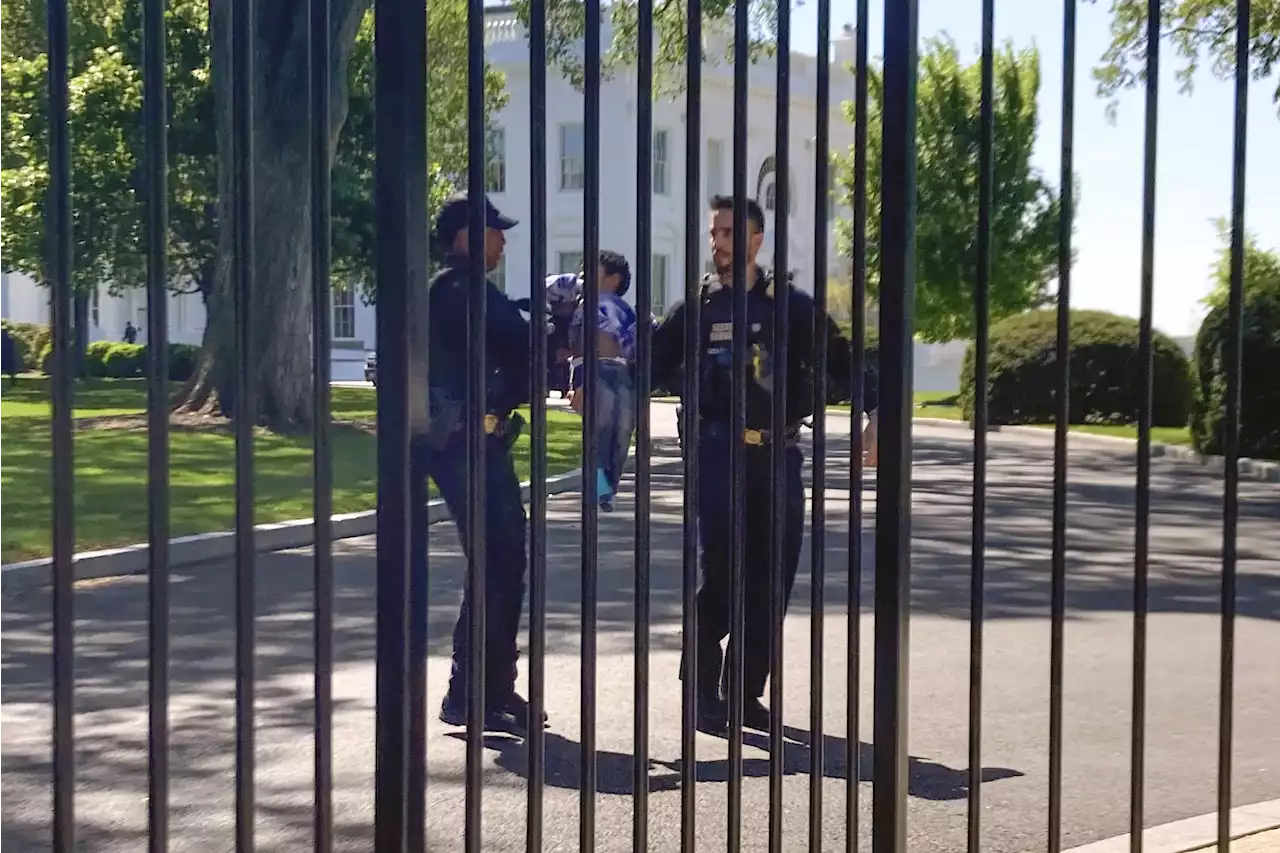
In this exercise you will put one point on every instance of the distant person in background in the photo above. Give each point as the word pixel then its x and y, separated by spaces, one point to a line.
pixel 615 402
pixel 11 366
pixel 130 332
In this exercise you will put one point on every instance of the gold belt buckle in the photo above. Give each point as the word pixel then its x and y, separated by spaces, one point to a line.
pixel 490 424
pixel 753 437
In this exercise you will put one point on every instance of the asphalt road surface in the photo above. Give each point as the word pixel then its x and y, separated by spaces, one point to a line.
pixel 1182 681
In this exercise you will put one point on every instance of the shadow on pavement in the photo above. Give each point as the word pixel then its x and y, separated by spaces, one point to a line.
pixel 615 771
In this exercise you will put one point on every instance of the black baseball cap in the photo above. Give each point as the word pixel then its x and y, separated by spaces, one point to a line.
pixel 454 216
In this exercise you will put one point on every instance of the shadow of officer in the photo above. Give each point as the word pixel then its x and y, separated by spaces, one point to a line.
pixel 443 454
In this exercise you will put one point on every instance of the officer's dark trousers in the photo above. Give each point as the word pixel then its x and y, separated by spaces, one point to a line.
pixel 715 507
pixel 505 558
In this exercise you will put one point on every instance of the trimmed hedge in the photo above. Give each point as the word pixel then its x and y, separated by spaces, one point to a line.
pixel 1259 378
pixel 1105 376
pixel 118 360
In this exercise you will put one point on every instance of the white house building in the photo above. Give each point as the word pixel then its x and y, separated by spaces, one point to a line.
pixel 507 49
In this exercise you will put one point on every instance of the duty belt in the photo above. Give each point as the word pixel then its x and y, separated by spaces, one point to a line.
pixel 761 437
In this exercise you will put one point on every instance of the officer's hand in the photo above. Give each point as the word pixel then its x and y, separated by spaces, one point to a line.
pixel 870 441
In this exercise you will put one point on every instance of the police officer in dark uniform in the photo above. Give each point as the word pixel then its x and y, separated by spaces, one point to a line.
pixel 714 434
pixel 443 454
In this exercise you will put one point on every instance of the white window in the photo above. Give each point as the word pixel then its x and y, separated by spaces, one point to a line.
pixel 658 286
pixel 660 177
pixel 344 312
pixel 715 167
pixel 569 262
pixel 499 274
pixel 95 308
pixel 572 152
pixel 495 173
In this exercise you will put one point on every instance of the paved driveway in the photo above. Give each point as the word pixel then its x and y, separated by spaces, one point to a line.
pixel 1182 699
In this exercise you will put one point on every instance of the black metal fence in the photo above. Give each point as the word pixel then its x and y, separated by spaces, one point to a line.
pixel 402 263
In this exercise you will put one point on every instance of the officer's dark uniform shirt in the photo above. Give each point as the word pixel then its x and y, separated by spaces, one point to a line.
pixel 716 379
pixel 506 340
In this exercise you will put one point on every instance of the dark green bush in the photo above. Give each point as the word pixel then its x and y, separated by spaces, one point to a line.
pixel 123 361
pixel 46 360
pixel 1259 378
pixel 29 340
pixel 1105 375
pixel 183 359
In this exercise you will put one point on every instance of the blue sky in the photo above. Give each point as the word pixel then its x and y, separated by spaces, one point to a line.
pixel 1193 153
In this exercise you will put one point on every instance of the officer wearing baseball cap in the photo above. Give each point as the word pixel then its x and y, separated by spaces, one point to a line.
pixel 443 453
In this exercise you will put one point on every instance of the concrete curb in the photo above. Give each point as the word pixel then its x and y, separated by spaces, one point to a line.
pixel 1194 833
pixel 276 536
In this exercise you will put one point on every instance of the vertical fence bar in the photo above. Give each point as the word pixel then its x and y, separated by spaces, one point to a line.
pixel 64 537
pixel 818 546
pixel 853 661
pixel 778 420
pixel 893 477
pixel 1058 572
pixel 476 407
pixel 644 310
pixel 245 384
pixel 417 407
pixel 157 229
pixel 590 451
pixel 1142 521
pixel 738 415
pixel 1231 438
pixel 981 319
pixel 322 460
pixel 690 413
pixel 538 417
pixel 391 204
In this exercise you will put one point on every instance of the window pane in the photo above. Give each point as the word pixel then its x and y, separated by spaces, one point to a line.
pixel 496 155
pixel 715 167
pixel 572 148
pixel 344 312
pixel 569 262
pixel 658 285
pixel 660 162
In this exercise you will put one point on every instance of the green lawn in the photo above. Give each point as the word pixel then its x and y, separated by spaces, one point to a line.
pixel 111 468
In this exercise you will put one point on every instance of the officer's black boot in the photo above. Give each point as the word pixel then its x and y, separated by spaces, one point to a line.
pixel 712 714
pixel 755 715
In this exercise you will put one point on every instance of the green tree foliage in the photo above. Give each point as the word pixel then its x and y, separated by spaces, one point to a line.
pixel 1025 211
pixel 353 212
pixel 566 22
pixel 108 190
pixel 1198 29
pixel 1260 373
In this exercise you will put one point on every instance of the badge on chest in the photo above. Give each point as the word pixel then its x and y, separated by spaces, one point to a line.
pixel 721 332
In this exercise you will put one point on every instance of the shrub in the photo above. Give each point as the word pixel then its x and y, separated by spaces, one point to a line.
pixel 1259 378
pixel 95 357
pixel 123 361
pixel 46 360
pixel 1105 372
pixel 183 359
pixel 29 340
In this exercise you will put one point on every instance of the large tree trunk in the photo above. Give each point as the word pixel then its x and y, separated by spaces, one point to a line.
pixel 280 311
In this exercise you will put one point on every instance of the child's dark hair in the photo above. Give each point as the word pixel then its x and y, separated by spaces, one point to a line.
pixel 614 262
pixel 755 213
